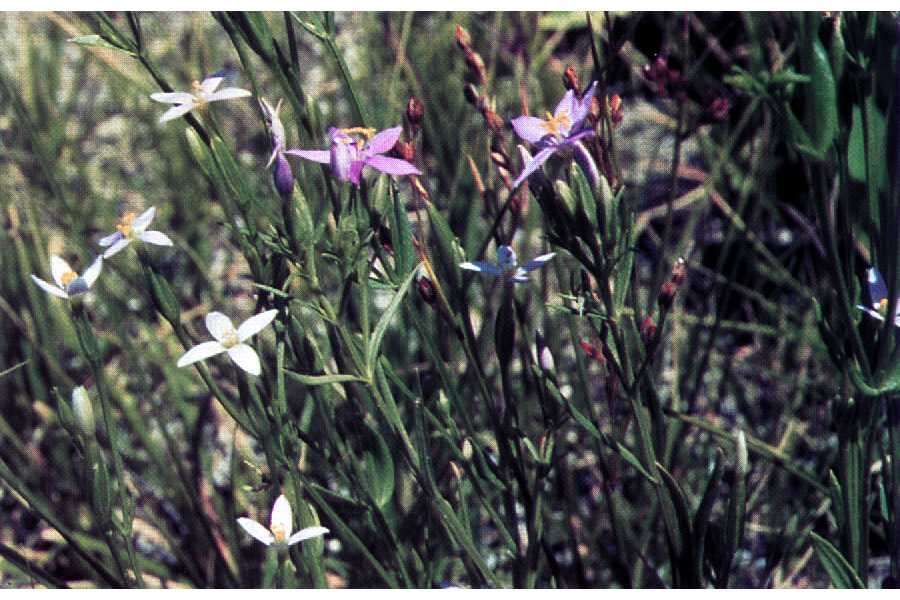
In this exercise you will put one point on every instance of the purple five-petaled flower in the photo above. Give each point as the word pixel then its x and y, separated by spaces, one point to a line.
pixel 348 154
pixel 562 129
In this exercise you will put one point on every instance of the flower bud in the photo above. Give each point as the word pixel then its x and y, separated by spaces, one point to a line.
pixel 84 411
pixel 283 176
pixel 415 112
pixel 570 78
pixel 667 295
pixel 462 38
pixel 405 150
pixel 545 357
pixel 616 110
pixel 718 109
pixel 592 352
pixel 426 289
pixel 494 121
pixel 648 331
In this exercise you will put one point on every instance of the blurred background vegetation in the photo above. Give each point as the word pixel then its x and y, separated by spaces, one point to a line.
pixel 709 161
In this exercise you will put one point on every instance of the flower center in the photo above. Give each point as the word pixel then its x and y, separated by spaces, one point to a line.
pixel 554 125
pixel 365 132
pixel 278 532
pixel 199 96
pixel 230 338
pixel 125 225
pixel 882 306
pixel 68 277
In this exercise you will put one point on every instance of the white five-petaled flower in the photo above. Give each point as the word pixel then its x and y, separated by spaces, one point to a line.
pixel 507 266
pixel 230 340
pixel 878 293
pixel 132 228
pixel 203 93
pixel 68 282
pixel 280 527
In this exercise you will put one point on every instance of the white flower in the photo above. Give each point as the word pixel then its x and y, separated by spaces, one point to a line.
pixel 203 93
pixel 878 292
pixel 68 282
pixel 507 266
pixel 280 527
pixel 230 340
pixel 132 228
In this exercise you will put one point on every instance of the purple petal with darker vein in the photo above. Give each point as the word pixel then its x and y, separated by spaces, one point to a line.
pixel 531 129
pixel 321 156
pixel 392 166
pixel 539 159
pixel 567 105
pixel 383 141
pixel 583 107
pixel 356 171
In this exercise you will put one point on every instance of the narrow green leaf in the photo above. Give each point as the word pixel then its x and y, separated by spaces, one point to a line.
pixel 323 379
pixel 839 570
pixel 383 322
pixel 96 41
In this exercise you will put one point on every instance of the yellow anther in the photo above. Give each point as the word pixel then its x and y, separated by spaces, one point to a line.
pixel 124 227
pixel 68 277
pixel 553 124
pixel 366 132
pixel 882 306
pixel 230 339
pixel 278 532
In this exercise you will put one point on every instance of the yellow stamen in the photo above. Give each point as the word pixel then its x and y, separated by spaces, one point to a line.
pixel 882 306
pixel 279 532
pixel 554 124
pixel 124 227
pixel 366 132
pixel 68 277
pixel 230 339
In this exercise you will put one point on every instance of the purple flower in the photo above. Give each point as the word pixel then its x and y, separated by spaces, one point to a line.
pixel 348 154
pixel 561 129
pixel 282 174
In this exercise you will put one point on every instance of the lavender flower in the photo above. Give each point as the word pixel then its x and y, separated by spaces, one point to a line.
pixel 507 266
pixel 202 94
pixel 283 175
pixel 550 135
pixel 878 292
pixel 132 228
pixel 348 155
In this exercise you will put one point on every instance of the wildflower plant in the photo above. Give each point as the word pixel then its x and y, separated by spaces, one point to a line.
pixel 691 380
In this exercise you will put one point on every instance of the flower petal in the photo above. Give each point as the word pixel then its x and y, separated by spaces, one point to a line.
pixel 530 129
pixel 209 85
pixel 117 247
pixel 392 166
pixel 93 271
pixel 50 288
pixel 110 239
pixel 175 112
pixel 156 237
pixel 383 141
pixel 320 156
pixel 144 219
pixel 58 268
pixel 539 159
pixel 246 358
pixel 567 105
pixel 282 516
pixel 583 106
pixel 877 288
pixel 218 325
pixel 228 94
pixel 255 324
pixel 200 352
pixel 307 533
pixel 256 530
pixel 172 97
pixel 537 262
pixel 482 267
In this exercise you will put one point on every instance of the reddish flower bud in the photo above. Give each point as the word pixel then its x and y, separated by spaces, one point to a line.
pixel 570 78
pixel 426 290
pixel 679 272
pixel 648 331
pixel 476 66
pixel 667 295
pixel 718 109
pixel 616 110
pixel 415 111
pixel 494 121
pixel 592 352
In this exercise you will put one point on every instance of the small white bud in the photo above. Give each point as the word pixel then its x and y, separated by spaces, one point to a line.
pixel 84 410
